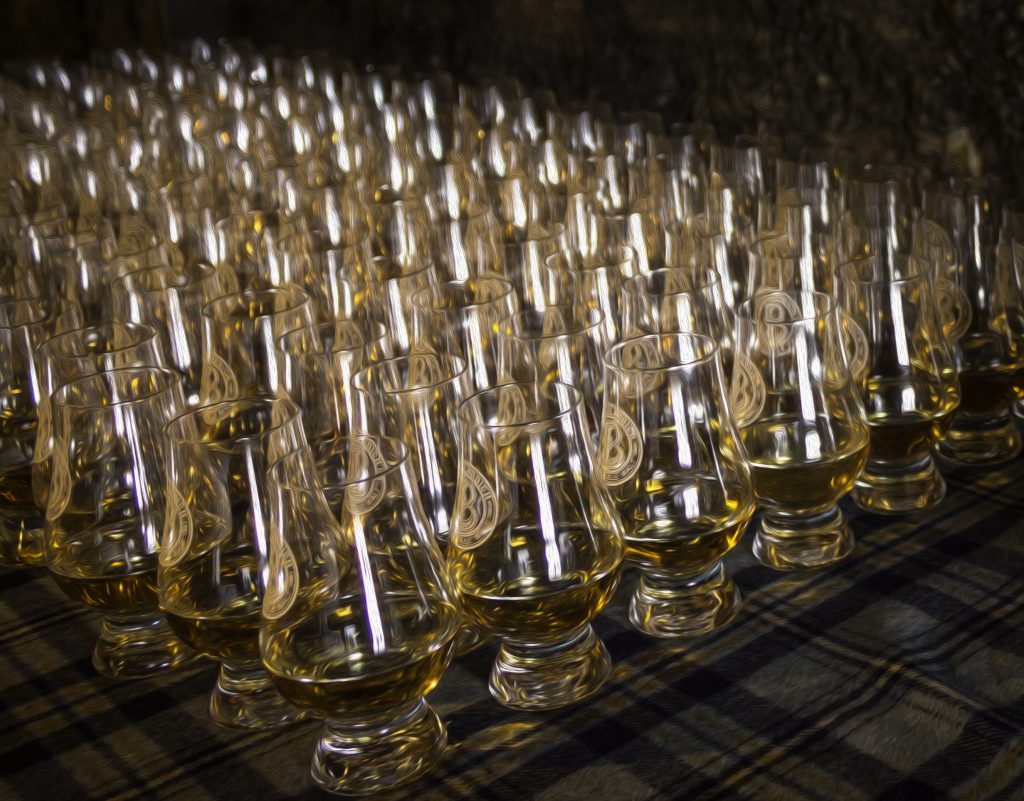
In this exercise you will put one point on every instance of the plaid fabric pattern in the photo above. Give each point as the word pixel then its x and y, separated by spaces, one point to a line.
pixel 898 674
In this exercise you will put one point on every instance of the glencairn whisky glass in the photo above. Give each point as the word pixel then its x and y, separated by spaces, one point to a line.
pixel 76 353
pixel 239 336
pixel 318 368
pixel 536 545
pixel 600 284
pixel 360 615
pixel 983 431
pixel 24 324
pixel 401 233
pixel 679 300
pixel 215 542
pixel 802 423
pixel 909 387
pixel 393 289
pixel 156 296
pixel 674 466
pixel 640 229
pixel 105 512
pixel 462 318
pixel 558 343
pixel 526 266
pixel 469 246
pixel 417 397
pixel 343 291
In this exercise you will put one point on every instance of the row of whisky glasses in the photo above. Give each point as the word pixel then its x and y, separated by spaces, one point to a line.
pixel 332 376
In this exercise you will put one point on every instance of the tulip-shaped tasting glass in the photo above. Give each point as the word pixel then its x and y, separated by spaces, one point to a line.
pixel 417 397
pixel 105 511
pixel 991 363
pixel 536 545
pixel 392 288
pixel 802 423
pixel 909 387
pixel 360 615
pixel 173 304
pixel 317 370
pixel 215 546
pixel 74 354
pixel 672 460
pixel 558 343
pixel 462 318
pixel 24 324
pixel 600 284
pixel 239 335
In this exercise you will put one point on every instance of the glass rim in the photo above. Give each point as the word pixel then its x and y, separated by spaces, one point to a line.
pixel 595 318
pixel 921 271
pixel 612 357
pixel 295 299
pixel 146 331
pixel 176 280
pixel 419 268
pixel 458 371
pixel 356 343
pixel 169 378
pixel 710 274
pixel 575 404
pixel 399 456
pixel 226 445
pixel 611 257
pixel 35 303
pixel 431 293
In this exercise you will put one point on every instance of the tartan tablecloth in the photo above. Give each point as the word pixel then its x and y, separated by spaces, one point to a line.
pixel 896 675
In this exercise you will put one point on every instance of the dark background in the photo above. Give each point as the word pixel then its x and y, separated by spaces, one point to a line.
pixel 899 75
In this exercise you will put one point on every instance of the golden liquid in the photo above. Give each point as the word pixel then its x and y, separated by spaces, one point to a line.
pixel 116 593
pixel 685 549
pixel 234 639
pixel 16 488
pixel 538 602
pixel 987 392
pixel 105 567
pixel 898 437
pixel 683 520
pixel 17 437
pixel 212 602
pixel 522 610
pixel 989 381
pixel 346 661
pixel 907 416
pixel 21 523
pixel 785 476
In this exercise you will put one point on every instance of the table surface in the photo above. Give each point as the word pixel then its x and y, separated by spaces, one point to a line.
pixel 898 674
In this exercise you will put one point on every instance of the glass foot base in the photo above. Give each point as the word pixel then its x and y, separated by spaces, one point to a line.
pixel 895 492
pixel 798 543
pixel 550 675
pixel 666 606
pixel 372 758
pixel 134 647
pixel 245 697
pixel 975 446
